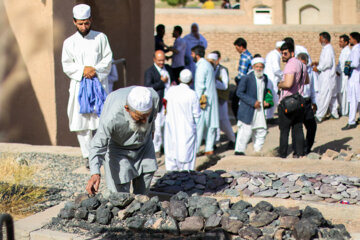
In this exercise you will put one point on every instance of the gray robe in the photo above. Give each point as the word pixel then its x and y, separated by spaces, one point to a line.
pixel 126 154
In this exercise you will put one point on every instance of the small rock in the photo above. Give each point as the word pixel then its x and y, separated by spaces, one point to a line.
pixel 191 225
pixel 200 179
pixel 320 194
pixel 224 204
pixel 153 223
pixel 90 203
pixel 279 234
pixel 294 211
pixel 293 177
pixel 67 213
pixel 103 215
pixel 247 192
pixel 231 225
pixel 208 210
pixel 267 193
pixel 232 192
pixel 311 197
pixel 337 196
pixel 288 222
pixel 135 223
pixel 345 194
pixel 327 189
pixel 91 218
pixel 178 210
pixel 213 221
pixel 313 215
pixel 341 188
pixel 283 195
pixel 142 198
pixel 132 208
pixel 240 205
pixel 263 218
pixel 238 215
pixel 169 225
pixel 314 156
pixel 329 155
pixel 294 189
pixel 242 180
pixel 250 233
pixel 81 213
pixel 304 230
pixel 263 206
pixel 255 182
pixel 277 184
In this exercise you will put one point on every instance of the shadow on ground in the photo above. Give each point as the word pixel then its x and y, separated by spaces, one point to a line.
pixel 335 145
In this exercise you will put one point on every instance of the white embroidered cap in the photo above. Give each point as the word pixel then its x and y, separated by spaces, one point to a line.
pixel 257 60
pixel 185 76
pixel 279 44
pixel 82 12
pixel 140 99
pixel 212 56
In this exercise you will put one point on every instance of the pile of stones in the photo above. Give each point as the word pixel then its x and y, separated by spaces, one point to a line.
pixel 192 217
pixel 308 187
pixel 343 155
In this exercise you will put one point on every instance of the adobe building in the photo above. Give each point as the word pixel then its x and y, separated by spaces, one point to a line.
pixel 34 89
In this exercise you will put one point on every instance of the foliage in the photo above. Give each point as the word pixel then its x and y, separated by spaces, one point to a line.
pixel 177 2
pixel 17 193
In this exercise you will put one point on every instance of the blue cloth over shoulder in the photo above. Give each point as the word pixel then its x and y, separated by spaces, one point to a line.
pixel 91 96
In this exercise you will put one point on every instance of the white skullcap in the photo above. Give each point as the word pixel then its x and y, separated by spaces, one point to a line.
pixel 185 76
pixel 257 60
pixel 279 44
pixel 212 56
pixel 140 99
pixel 81 11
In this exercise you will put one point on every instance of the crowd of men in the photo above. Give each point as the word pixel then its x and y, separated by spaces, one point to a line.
pixel 186 103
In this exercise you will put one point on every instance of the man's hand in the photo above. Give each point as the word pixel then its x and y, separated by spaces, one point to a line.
pixel 164 79
pixel 314 107
pixel 89 72
pixel 257 105
pixel 315 69
pixel 266 104
pixel 93 184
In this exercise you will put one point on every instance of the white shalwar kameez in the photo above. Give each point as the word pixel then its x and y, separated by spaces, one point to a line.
pixel 257 129
pixel 182 112
pixel 274 73
pixel 342 80
pixel 78 51
pixel 224 120
pixel 354 84
pixel 160 119
pixel 327 80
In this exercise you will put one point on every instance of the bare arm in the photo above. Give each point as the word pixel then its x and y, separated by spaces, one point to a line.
pixel 288 81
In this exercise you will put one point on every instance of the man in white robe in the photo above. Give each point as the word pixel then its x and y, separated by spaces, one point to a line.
pixel 87 54
pixel 194 38
pixel 353 89
pixel 205 88
pixel 223 92
pixel 251 91
pixel 182 112
pixel 274 74
pixel 327 79
pixel 342 79
pixel 298 48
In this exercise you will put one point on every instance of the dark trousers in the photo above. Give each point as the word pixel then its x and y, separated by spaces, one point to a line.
pixel 176 72
pixel 310 125
pixel 293 121
pixel 235 105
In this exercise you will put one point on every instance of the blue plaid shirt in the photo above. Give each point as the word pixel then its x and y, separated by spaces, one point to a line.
pixel 244 64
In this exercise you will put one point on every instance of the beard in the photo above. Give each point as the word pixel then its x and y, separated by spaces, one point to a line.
pixel 259 74
pixel 135 126
pixel 84 33
pixel 194 58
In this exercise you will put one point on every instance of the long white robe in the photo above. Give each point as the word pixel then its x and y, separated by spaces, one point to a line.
pixel 274 73
pixel 92 50
pixel 209 118
pixel 327 80
pixel 182 111
pixel 342 80
pixel 353 89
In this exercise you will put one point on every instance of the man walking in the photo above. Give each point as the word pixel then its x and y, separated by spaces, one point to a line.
pixel 309 108
pixel 353 89
pixel 251 115
pixel 342 79
pixel 222 88
pixel 292 84
pixel 327 79
pixel 159 76
pixel 274 74
pixel 85 54
pixel 205 89
pixel 123 141
pixel 243 69
pixel 182 113
pixel 178 57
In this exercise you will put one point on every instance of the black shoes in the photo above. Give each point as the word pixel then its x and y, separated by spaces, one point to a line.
pixel 239 153
pixel 349 126
pixel 230 146
pixel 86 160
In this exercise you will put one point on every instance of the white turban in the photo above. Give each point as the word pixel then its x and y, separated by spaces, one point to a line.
pixel 279 44
pixel 140 99
pixel 81 12
pixel 212 56
pixel 185 76
pixel 257 60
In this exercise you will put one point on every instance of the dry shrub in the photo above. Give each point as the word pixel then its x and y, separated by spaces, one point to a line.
pixel 17 192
